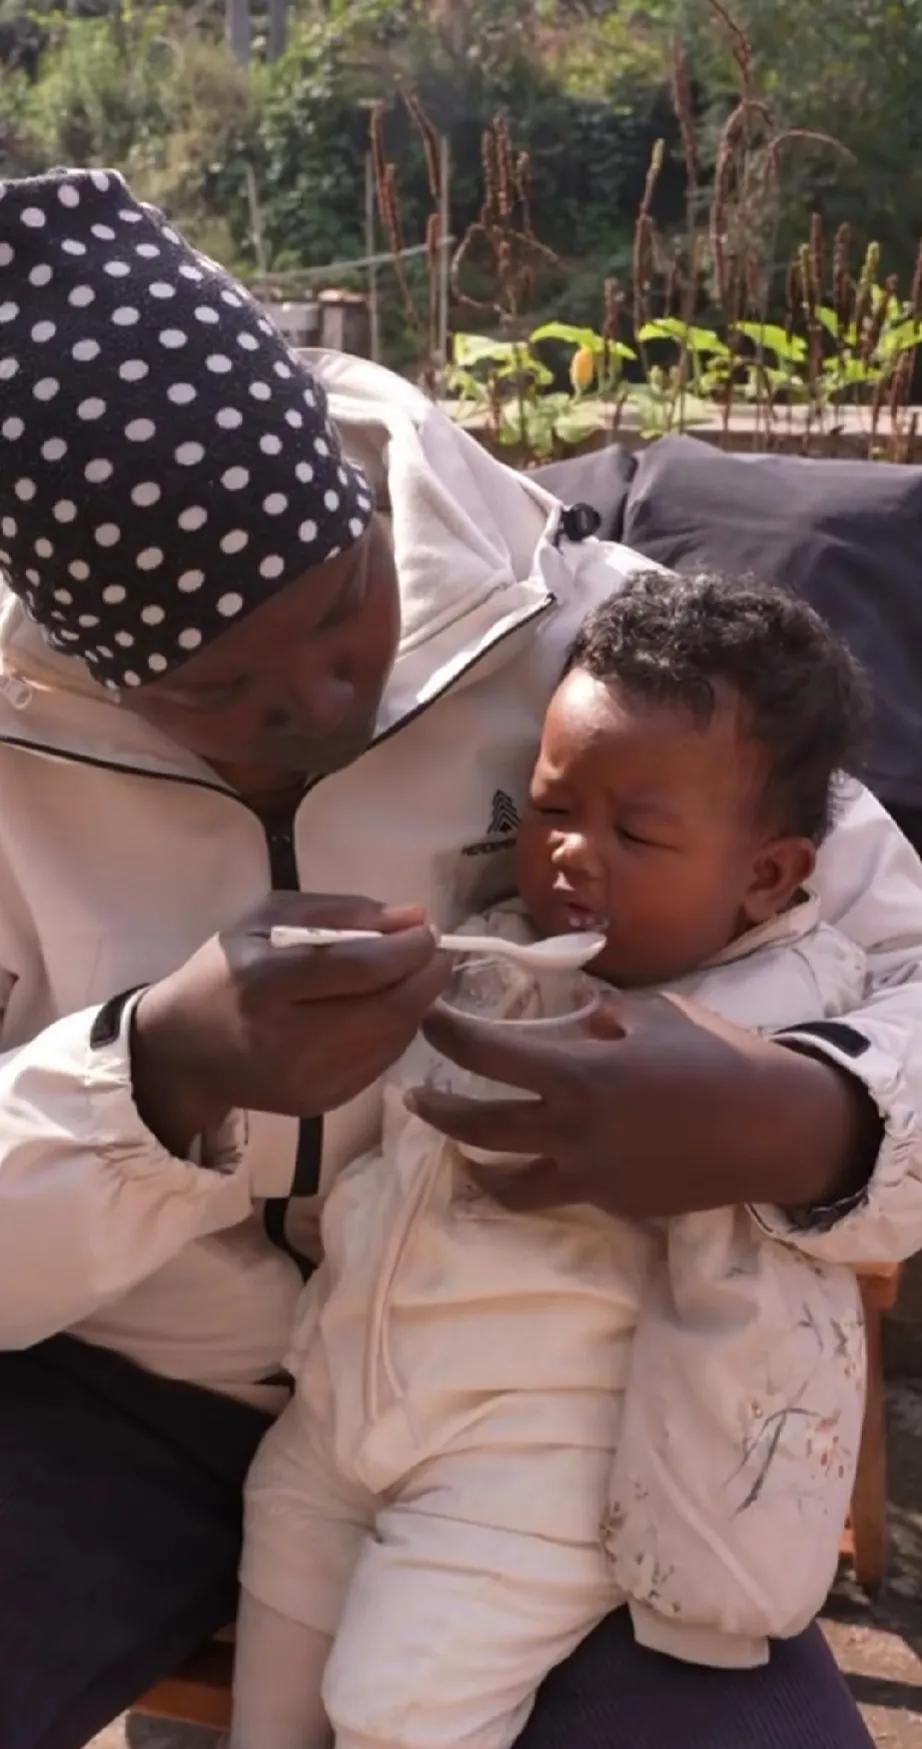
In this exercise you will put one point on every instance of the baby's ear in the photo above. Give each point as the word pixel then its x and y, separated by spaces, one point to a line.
pixel 780 868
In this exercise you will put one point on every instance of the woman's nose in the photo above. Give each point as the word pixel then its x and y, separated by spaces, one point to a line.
pixel 318 706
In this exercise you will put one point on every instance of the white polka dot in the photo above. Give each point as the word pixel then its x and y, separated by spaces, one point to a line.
pixel 8 312
pixel 124 638
pixel 100 180
pixel 64 510
pixel 356 526
pixel 12 428
pixel 190 581
pixel 171 235
pixel 229 418
pixel 105 233
pixel 9 527
pixel 92 408
pixel 117 269
pixel 272 567
pixel 33 217
pixel 304 472
pixel 205 314
pixel 72 637
pixel 140 430
pixel 64 596
pixel 235 479
pixel 114 595
pixel 8 369
pixel 189 455
pixel 265 326
pixel 160 289
pixel 281 370
pixel 79 570
pixel 130 678
pixel 129 217
pixel 232 299
pixel 270 445
pixel 260 391
pixel 148 250
pixel 71 246
pixel 6 255
pixel 98 471
pixel 153 616
pixel 81 296
pixel 321 447
pixel 180 394
pixel 150 559
pixel 67 195
pixel 125 316
pixel 192 519
pixel 235 541
pixel 134 370
pixel 146 494
pixel 275 504
pixel 189 639
pixel 308 531
pixel 103 650
pixel 44 549
pixel 107 535
pixel 191 272
pixel 248 341
pixel 46 388
pixel 40 275
pixel 229 605
pixel 88 620
pixel 364 501
pixel 33 578
pixel 342 476
pixel 25 490
pixel 294 418
pixel 217 362
pixel 173 337
pixel 331 499
pixel 156 663
pixel 85 351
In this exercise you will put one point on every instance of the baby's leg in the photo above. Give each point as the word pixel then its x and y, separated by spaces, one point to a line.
pixel 304 1525
pixel 449 1628
pixel 278 1669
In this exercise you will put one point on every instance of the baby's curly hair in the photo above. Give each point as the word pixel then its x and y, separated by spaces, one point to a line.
pixel 672 640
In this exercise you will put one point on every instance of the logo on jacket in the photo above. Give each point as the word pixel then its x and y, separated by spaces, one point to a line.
pixel 501 830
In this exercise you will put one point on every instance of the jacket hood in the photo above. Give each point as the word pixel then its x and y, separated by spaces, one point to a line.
pixel 465 532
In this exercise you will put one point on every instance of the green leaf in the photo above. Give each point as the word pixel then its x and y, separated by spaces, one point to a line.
pixel 469 349
pixel 685 334
pixel 772 338
pixel 901 337
pixel 580 337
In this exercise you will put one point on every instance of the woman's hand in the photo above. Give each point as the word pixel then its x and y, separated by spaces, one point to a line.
pixel 298 1030
pixel 663 1109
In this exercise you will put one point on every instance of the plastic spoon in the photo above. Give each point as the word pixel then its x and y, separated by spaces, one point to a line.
pixel 558 953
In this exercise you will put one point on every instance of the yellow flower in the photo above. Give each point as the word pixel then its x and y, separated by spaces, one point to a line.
pixel 582 369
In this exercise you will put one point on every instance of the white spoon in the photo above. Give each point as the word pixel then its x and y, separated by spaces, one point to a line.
pixel 558 953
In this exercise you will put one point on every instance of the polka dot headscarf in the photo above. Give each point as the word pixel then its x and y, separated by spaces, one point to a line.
pixel 166 460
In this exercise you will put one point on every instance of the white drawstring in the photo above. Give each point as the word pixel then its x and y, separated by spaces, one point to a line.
pixel 19 692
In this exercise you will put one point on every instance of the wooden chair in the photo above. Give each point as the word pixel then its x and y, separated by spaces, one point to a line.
pixel 199 1692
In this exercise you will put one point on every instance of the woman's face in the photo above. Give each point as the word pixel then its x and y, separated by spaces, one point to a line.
pixel 295 687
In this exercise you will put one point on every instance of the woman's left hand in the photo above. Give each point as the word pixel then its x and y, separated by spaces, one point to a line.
pixel 661 1109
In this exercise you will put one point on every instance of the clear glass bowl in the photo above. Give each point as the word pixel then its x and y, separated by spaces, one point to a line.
pixel 551 1005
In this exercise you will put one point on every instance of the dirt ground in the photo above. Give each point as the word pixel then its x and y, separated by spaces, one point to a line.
pixel 879 1645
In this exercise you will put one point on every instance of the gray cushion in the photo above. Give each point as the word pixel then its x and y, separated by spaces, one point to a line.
pixel 846 535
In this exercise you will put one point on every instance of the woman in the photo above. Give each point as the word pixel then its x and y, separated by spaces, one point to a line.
pixel 227 685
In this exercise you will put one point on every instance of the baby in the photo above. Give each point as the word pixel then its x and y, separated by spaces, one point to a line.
pixel 505 1425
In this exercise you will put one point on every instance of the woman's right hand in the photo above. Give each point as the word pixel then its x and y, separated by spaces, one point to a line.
pixel 298 1030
